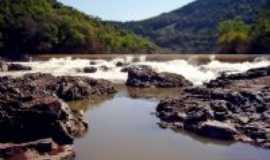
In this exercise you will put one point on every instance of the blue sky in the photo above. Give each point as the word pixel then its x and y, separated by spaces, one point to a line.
pixel 125 10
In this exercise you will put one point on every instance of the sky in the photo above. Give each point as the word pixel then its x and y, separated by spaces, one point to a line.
pixel 125 10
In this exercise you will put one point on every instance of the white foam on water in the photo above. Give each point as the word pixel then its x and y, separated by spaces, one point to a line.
pixel 198 74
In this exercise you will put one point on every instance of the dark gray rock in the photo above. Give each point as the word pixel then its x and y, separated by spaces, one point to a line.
pixel 37 118
pixel 90 70
pixel 218 130
pixel 65 87
pixel 234 107
pixel 121 64
pixel 143 76
pixel 18 67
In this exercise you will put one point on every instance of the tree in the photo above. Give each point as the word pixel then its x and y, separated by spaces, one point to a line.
pixel 261 32
pixel 47 26
pixel 233 35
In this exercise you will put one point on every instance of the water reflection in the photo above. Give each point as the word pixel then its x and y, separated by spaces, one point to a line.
pixel 89 104
pixel 152 93
pixel 201 139
pixel 123 128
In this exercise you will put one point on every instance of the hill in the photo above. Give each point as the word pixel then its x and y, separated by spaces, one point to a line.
pixel 193 28
pixel 47 26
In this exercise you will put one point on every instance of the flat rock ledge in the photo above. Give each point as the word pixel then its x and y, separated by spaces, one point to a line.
pixel 145 77
pixel 45 149
pixel 67 88
pixel 232 107
pixel 32 109
pixel 7 67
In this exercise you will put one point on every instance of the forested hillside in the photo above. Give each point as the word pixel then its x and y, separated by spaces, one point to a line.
pixel 193 28
pixel 47 26
pixel 237 36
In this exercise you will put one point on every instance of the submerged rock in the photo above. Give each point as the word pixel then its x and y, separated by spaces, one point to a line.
pixel 104 68
pixel 231 107
pixel 145 76
pixel 93 63
pixel 121 64
pixel 90 70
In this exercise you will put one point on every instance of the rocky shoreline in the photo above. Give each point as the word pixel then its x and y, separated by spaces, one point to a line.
pixel 35 122
pixel 232 107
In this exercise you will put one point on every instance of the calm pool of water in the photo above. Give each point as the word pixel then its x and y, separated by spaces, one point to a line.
pixel 124 127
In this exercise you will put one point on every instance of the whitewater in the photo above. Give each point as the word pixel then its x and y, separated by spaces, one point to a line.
pixel 196 73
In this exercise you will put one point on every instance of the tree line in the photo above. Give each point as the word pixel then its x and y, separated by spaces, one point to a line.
pixel 48 26
pixel 237 36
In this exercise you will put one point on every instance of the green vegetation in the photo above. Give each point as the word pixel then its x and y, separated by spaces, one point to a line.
pixel 236 36
pixel 193 28
pixel 47 26
pixel 233 35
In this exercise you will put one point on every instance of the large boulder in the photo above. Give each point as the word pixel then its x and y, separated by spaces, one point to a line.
pixel 37 118
pixel 143 76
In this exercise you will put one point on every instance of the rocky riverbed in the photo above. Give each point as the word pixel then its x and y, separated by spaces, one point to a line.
pixel 232 107
pixel 35 122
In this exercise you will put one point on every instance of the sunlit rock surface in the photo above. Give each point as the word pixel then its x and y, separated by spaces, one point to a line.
pixel 232 107
pixel 32 108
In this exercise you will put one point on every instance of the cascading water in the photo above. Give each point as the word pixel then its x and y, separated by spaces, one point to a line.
pixel 197 73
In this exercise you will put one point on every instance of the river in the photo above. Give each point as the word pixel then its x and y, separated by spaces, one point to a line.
pixel 124 127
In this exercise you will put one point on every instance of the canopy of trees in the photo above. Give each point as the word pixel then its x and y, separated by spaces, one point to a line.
pixel 47 26
pixel 236 36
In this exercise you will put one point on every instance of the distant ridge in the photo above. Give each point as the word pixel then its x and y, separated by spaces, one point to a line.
pixel 192 28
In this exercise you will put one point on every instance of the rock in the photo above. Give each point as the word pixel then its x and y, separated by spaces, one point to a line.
pixel 3 66
pixel 120 64
pixel 18 67
pixel 93 63
pixel 218 130
pixel 147 77
pixel 225 79
pixel 128 68
pixel 90 70
pixel 66 87
pixel 74 88
pixel 30 106
pixel 104 68
pixel 232 107
pixel 37 118
pixel 40 149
